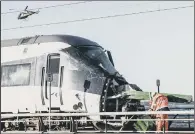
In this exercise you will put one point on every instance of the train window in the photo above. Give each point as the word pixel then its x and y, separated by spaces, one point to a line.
pixel 79 69
pixel 15 75
pixel 43 76
pixel 54 69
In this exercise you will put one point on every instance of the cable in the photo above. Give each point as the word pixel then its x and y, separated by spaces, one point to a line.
pixel 96 18
pixel 70 4
pixel 67 5
pixel 75 3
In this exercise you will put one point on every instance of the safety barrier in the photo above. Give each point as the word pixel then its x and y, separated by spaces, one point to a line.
pixel 67 132
pixel 190 112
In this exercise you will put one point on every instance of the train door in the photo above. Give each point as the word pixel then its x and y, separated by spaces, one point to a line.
pixel 51 84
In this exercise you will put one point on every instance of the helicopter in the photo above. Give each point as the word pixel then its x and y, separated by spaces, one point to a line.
pixel 26 13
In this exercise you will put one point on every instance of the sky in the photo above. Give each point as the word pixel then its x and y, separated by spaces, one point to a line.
pixel 145 47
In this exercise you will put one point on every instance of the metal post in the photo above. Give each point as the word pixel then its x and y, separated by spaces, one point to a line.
pixel 117 105
pixel 158 85
pixel 106 125
pixel 189 121
pixel 49 106
pixel 73 125
pixel 70 124
pixel 25 126
pixel 49 79
pixel 17 121
pixel 76 127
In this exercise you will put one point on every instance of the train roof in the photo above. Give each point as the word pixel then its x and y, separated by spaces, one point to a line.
pixel 69 39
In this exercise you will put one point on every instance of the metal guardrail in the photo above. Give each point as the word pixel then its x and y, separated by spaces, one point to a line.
pixel 190 112
pixel 67 132
pixel 113 120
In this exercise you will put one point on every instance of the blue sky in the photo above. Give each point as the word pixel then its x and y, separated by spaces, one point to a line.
pixel 145 47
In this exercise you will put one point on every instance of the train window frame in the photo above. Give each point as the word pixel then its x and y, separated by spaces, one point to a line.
pixel 51 58
pixel 29 67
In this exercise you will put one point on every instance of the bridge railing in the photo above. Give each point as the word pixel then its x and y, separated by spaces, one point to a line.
pixel 189 112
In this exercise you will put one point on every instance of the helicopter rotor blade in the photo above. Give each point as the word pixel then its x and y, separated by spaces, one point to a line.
pixel 26 8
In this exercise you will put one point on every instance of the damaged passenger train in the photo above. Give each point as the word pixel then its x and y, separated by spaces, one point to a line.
pixel 80 73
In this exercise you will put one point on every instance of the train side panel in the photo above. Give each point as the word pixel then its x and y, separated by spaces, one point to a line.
pixel 20 85
pixel 30 97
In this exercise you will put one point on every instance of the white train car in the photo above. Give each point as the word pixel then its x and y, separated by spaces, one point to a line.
pixel 71 60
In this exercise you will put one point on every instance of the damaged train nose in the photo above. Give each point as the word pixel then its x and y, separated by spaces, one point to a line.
pixel 115 99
